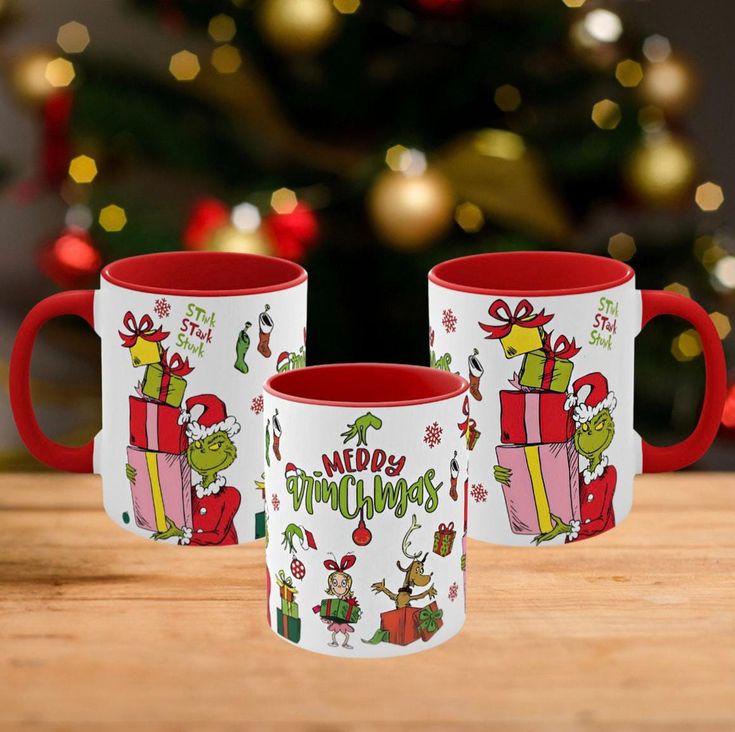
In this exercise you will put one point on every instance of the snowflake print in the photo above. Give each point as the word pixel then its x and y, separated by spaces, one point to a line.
pixel 431 337
pixel 449 320
pixel 433 434
pixel 162 307
pixel 453 591
pixel 275 502
pixel 479 492
pixel 257 405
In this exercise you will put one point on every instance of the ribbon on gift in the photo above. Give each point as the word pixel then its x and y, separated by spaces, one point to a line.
pixel 285 582
pixel 540 499
pixel 174 366
pixel 159 511
pixel 523 316
pixel 144 330
pixel 429 619
pixel 446 528
pixel 561 349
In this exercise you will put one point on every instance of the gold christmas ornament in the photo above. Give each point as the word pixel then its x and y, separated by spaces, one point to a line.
pixel 298 26
pixel 231 239
pixel 411 211
pixel 661 170
pixel 670 84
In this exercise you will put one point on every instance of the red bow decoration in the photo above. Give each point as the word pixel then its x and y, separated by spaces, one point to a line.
pixel 468 423
pixel 562 348
pixel 345 563
pixel 446 528
pixel 175 365
pixel 522 316
pixel 144 330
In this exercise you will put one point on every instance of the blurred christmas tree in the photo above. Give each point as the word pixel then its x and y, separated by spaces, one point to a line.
pixel 372 140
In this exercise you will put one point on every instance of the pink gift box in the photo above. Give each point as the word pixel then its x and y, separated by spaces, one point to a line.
pixel 544 480
pixel 162 488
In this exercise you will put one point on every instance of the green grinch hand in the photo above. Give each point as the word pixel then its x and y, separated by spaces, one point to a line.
pixel 292 530
pixel 502 475
pixel 360 427
pixel 241 349
pixel 130 472
pixel 560 528
pixel 171 531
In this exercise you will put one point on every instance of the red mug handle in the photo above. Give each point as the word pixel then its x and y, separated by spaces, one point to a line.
pixel 689 450
pixel 73 459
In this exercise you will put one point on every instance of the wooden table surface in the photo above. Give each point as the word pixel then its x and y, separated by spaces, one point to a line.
pixel 634 630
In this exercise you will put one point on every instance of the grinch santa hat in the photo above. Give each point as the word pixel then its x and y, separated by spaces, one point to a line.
pixel 282 361
pixel 292 471
pixel 589 396
pixel 206 414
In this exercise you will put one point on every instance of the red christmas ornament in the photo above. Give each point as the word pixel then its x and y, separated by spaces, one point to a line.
pixel 207 216
pixel 442 7
pixel 293 234
pixel 728 413
pixel 362 536
pixel 298 569
pixel 71 260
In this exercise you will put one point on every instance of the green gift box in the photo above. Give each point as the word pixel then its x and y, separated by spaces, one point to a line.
pixel 340 610
pixel 541 370
pixel 290 608
pixel 288 627
pixel 260 524
pixel 164 381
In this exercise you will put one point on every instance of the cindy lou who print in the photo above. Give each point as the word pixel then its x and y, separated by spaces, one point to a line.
pixel 546 341
pixel 366 509
pixel 188 338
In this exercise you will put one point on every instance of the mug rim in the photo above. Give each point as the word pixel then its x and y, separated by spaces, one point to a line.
pixel 447 385
pixel 135 273
pixel 544 267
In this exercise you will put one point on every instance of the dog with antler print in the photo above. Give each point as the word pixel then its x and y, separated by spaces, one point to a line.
pixel 414 574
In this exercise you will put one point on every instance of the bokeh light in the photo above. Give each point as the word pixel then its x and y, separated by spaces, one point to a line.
pixel 82 169
pixel 606 114
pixel 222 28
pixel 678 288
pixel 629 73
pixel 184 66
pixel 603 25
pixel 284 201
pixel 113 218
pixel 721 323
pixel 73 37
pixel 621 246
pixel 246 217
pixel 656 48
pixel 226 59
pixel 507 98
pixel 59 72
pixel 469 217
pixel 709 196
pixel 347 7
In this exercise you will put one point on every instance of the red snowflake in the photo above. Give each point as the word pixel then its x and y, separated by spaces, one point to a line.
pixel 433 434
pixel 257 404
pixel 479 492
pixel 453 591
pixel 449 320
pixel 162 307
pixel 431 337
pixel 275 502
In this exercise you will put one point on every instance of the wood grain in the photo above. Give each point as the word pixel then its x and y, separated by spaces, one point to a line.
pixel 634 630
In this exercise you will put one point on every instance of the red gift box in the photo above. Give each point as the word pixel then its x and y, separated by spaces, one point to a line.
pixel 429 620
pixel 401 624
pixel 532 418
pixel 156 427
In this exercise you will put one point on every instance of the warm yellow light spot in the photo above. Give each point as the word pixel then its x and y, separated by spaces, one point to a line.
pixel 346 7
pixel 469 217
pixel 60 72
pixel 222 28
pixel 712 256
pixel 678 288
pixel 686 346
pixel 621 246
pixel 724 270
pixel 709 196
pixel 113 218
pixel 73 37
pixel 574 3
pixel 500 144
pixel 508 98
pixel 606 114
pixel 184 66
pixel 721 323
pixel 82 169
pixel 226 59
pixel 283 201
pixel 395 156
pixel 406 160
pixel 629 73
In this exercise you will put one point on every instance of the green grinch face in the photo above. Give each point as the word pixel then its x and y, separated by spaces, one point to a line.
pixel 211 454
pixel 594 437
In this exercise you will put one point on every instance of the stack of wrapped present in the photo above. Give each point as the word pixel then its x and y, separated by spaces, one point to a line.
pixel 536 431
pixel 287 616
pixel 161 487
pixel 444 539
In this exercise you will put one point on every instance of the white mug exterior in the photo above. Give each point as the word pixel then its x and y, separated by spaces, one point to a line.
pixel 604 325
pixel 413 448
pixel 204 330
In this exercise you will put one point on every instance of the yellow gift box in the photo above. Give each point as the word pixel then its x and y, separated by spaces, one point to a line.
pixel 522 340
pixel 144 353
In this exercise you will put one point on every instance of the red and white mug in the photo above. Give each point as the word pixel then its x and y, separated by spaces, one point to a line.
pixel 188 339
pixel 546 340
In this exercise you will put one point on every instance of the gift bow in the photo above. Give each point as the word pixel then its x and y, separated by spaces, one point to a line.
pixel 562 347
pixel 523 316
pixel 175 365
pixel 446 528
pixel 144 330
pixel 469 423
pixel 284 581
pixel 429 619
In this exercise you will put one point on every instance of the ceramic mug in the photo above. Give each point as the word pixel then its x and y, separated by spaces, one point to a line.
pixel 365 548
pixel 546 340
pixel 188 338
